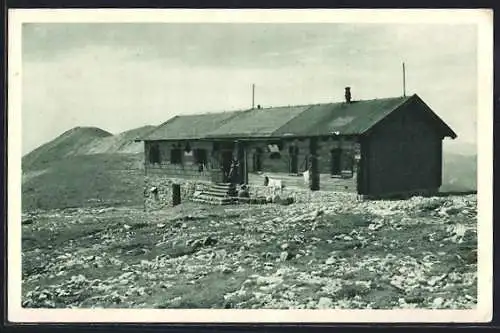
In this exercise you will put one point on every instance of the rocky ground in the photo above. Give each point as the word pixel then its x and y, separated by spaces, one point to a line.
pixel 331 252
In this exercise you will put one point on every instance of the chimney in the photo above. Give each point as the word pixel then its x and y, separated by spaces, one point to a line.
pixel 348 94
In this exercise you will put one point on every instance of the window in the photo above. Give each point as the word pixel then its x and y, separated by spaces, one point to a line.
pixel 176 156
pixel 274 151
pixel 154 154
pixel 200 158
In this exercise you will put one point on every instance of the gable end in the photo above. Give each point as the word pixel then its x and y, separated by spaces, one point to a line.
pixel 419 109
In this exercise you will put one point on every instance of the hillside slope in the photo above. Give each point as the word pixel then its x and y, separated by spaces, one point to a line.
pixel 69 143
pixel 122 143
pixel 85 166
pixel 84 141
pixel 85 180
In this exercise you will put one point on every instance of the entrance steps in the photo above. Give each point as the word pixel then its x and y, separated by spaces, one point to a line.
pixel 218 194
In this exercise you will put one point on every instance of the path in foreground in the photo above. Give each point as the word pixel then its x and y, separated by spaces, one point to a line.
pixel 329 253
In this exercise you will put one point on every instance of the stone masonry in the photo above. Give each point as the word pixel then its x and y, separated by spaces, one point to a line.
pixel 158 190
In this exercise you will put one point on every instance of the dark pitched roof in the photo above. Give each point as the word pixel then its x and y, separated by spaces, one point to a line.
pixel 352 118
pixel 190 126
pixel 258 122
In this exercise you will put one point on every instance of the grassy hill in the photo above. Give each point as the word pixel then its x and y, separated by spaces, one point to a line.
pixel 85 180
pixel 70 143
pixel 85 166
pixel 84 141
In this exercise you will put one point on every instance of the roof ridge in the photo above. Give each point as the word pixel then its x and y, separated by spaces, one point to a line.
pixel 323 103
pixel 214 112
pixel 284 106
pixel 167 121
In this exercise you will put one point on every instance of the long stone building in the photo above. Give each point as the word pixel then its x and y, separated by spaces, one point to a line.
pixel 375 148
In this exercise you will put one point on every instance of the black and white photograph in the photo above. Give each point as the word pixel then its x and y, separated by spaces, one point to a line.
pixel 221 165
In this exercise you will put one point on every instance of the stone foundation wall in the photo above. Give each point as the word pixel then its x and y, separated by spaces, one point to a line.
pixel 402 195
pixel 158 190
pixel 326 182
pixel 299 195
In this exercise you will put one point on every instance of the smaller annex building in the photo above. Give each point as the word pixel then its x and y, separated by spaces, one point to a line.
pixel 377 147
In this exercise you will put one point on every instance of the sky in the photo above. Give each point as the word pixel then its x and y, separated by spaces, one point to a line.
pixel 119 76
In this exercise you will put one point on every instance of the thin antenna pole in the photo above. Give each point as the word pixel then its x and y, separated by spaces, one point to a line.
pixel 253 96
pixel 404 80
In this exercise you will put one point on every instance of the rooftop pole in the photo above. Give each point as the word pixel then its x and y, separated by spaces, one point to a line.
pixel 253 96
pixel 404 80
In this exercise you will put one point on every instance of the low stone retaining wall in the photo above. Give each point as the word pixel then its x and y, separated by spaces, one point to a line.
pixel 402 195
pixel 158 190
pixel 299 195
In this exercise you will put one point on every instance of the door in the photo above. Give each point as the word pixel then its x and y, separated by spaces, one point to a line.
pixel 335 160
pixel 294 160
pixel 227 158
pixel 154 154
pixel 257 160
pixel 242 169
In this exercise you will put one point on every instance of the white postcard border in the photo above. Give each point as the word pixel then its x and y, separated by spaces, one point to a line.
pixel 482 17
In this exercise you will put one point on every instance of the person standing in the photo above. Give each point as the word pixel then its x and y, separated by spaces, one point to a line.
pixel 233 173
